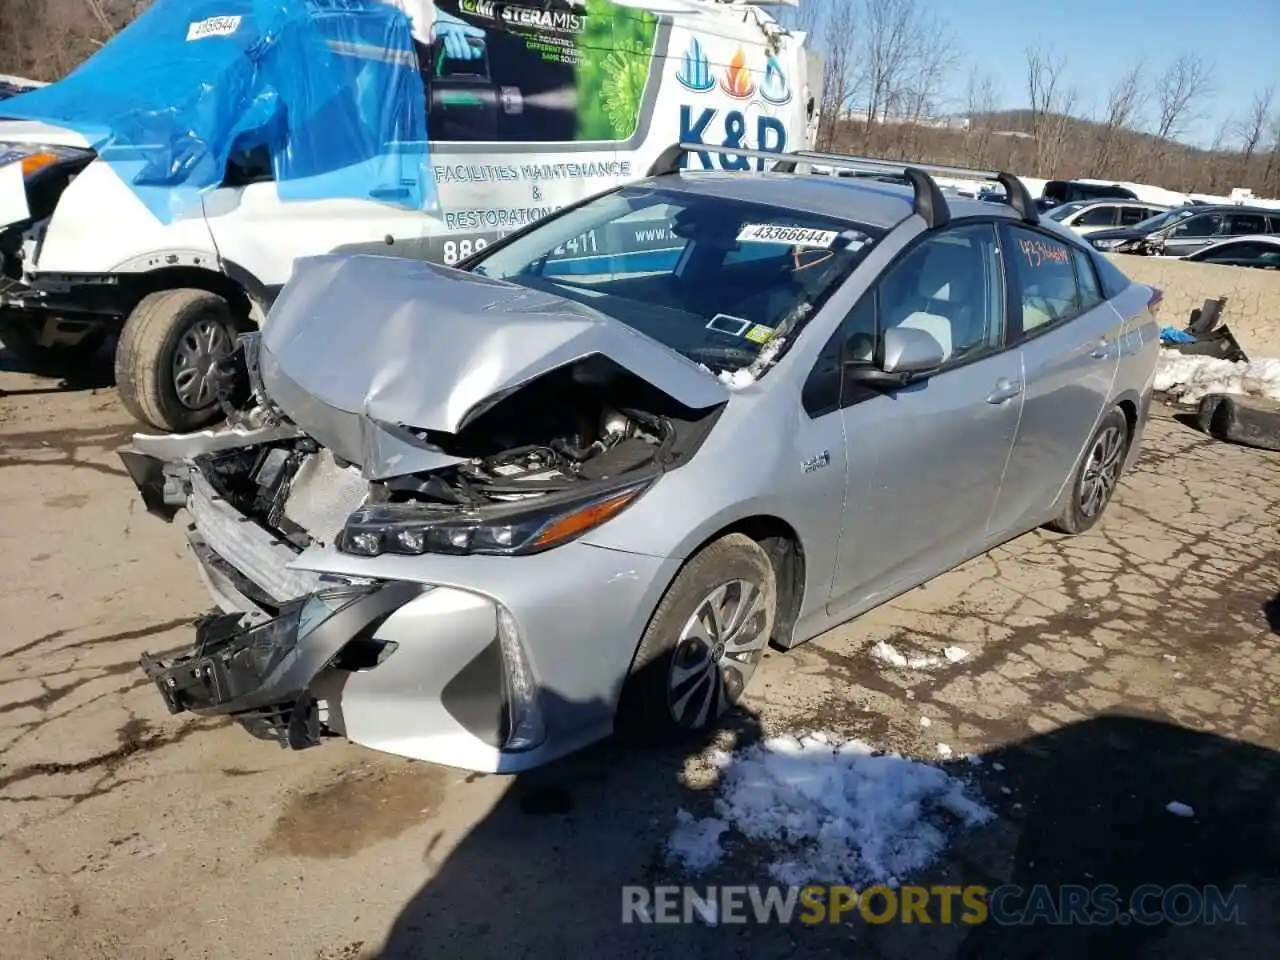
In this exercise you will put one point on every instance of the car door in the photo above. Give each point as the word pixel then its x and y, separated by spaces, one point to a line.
pixel 1193 233
pixel 926 460
pixel 1069 339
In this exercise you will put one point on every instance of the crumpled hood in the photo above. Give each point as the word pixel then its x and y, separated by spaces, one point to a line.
pixel 358 346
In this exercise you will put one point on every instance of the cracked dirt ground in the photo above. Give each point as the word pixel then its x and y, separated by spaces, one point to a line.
pixel 125 832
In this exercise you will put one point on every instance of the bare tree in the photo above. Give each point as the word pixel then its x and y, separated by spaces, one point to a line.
pixel 1253 128
pixel 1125 102
pixel 1186 82
pixel 1052 103
pixel 839 80
pixel 979 109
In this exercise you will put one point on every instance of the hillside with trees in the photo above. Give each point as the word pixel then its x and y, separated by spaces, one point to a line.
pixel 887 67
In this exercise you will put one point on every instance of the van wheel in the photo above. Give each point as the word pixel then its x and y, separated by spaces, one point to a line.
pixel 166 357
pixel 20 334
pixel 1097 476
pixel 702 644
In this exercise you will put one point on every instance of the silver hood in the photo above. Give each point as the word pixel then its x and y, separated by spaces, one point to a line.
pixel 358 347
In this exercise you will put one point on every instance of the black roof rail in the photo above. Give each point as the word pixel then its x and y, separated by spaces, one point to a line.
pixel 929 202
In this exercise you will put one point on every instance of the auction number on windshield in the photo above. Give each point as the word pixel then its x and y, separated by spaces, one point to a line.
pixel 579 246
pixel 455 250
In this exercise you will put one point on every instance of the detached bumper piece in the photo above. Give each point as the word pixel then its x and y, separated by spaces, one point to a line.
pixel 1249 421
pixel 261 674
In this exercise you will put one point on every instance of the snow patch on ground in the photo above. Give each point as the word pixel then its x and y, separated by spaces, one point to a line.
pixel 1179 809
pixel 886 652
pixel 1192 378
pixel 831 810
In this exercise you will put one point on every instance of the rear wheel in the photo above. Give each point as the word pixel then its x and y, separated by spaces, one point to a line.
pixel 20 332
pixel 1097 476
pixel 702 644
pixel 166 358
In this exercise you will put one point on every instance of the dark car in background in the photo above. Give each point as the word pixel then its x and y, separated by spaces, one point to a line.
pixel 1069 191
pixel 1184 230
pixel 1261 252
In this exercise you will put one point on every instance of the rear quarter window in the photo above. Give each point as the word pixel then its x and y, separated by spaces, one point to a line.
pixel 1113 279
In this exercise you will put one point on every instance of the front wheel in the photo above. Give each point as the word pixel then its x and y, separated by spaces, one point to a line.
pixel 1097 476
pixel 702 644
pixel 167 357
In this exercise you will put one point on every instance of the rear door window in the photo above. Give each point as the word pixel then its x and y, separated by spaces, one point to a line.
pixel 1045 272
pixel 1243 224
pixel 1131 215
pixel 1097 217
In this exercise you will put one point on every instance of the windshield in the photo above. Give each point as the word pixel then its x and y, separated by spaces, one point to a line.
pixel 1064 211
pixel 1165 219
pixel 724 282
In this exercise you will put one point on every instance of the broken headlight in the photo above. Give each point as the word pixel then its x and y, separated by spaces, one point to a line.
pixel 412 529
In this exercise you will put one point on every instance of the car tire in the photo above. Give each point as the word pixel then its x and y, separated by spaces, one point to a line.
pixel 20 337
pixel 686 673
pixel 1096 477
pixel 166 355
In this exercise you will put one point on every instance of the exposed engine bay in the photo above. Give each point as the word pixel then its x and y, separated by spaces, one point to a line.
pixel 584 427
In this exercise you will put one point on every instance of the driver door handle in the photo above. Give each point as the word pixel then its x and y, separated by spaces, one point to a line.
pixel 1005 390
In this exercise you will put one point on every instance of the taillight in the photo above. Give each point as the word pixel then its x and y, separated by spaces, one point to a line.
pixel 1154 301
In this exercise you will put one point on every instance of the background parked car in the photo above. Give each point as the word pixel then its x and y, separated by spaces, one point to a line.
pixel 1088 216
pixel 1185 230
pixel 1262 252
pixel 1068 191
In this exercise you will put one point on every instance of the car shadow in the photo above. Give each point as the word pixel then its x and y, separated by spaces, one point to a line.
pixel 1271 610
pixel 90 373
pixel 542 874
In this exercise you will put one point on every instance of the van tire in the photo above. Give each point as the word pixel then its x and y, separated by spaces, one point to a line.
pixel 21 338
pixel 193 325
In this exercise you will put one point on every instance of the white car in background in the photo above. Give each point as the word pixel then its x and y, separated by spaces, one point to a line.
pixel 1086 216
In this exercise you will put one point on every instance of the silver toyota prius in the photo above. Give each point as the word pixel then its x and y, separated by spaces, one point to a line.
pixel 576 487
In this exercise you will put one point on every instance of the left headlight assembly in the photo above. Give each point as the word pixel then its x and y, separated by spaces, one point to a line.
pixel 411 529
pixel 37 158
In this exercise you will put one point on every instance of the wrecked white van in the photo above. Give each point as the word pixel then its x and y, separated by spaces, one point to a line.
pixel 142 198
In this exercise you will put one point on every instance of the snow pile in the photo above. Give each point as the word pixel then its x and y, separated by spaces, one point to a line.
pixel 832 811
pixel 1191 378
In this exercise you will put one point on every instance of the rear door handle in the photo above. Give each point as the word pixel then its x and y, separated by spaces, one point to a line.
pixel 1005 390
pixel 1101 350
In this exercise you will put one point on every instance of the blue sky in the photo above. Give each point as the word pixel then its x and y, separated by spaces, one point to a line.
pixel 1102 38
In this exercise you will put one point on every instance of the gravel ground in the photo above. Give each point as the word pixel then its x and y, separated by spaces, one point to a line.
pixel 1105 677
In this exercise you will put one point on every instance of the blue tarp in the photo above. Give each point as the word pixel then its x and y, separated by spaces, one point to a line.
pixel 327 90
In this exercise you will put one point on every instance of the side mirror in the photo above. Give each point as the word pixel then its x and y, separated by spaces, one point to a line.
pixel 906 354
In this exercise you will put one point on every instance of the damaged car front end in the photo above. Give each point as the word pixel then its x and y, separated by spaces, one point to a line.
pixel 446 504
pixel 362 566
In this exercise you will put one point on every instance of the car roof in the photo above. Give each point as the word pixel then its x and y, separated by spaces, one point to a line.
pixel 1232 208
pixel 874 203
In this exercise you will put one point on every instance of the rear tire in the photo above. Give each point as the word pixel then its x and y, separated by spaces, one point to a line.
pixel 702 645
pixel 20 334
pixel 166 357
pixel 1097 475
